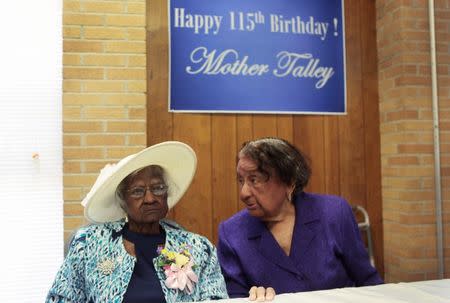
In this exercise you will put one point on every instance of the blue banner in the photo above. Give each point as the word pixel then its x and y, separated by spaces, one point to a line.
pixel 257 56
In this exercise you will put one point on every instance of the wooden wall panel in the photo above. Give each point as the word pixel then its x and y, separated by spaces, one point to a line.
pixel 159 120
pixel 285 127
pixel 351 126
pixel 331 155
pixel 308 136
pixel 344 150
pixel 371 127
pixel 244 129
pixel 224 190
pixel 264 126
pixel 195 208
pixel 244 133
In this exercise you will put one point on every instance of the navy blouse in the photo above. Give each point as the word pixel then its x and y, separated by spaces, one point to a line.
pixel 144 285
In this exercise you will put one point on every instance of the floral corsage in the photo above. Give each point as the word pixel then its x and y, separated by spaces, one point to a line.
pixel 178 267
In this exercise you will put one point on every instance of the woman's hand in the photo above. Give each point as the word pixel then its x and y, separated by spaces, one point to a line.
pixel 261 294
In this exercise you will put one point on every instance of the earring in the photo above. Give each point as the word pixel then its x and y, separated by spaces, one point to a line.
pixel 289 194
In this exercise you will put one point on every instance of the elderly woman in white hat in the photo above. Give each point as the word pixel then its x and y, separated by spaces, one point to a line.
pixel 131 253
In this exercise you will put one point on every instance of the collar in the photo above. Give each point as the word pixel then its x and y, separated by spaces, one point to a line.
pixel 117 226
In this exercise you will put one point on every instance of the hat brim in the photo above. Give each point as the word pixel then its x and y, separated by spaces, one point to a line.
pixel 176 158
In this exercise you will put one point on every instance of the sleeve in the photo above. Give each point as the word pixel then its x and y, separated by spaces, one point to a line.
pixel 68 285
pixel 212 283
pixel 234 275
pixel 354 253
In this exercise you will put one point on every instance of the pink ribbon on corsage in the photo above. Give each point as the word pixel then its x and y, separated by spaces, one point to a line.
pixel 182 278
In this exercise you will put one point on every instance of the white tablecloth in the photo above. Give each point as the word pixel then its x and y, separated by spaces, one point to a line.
pixel 432 291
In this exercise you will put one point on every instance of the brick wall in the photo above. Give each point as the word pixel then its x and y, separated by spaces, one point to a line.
pixel 105 115
pixel 406 126
pixel 104 92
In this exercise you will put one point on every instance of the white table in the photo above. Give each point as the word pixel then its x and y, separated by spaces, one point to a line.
pixel 432 291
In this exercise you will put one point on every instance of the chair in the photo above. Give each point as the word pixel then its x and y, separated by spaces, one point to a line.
pixel 362 218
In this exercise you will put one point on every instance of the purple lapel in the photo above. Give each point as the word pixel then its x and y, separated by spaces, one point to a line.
pixel 307 227
pixel 305 230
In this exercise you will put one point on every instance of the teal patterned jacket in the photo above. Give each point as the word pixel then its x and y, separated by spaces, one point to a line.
pixel 84 276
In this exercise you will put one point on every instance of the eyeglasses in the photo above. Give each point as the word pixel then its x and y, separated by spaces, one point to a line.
pixel 139 192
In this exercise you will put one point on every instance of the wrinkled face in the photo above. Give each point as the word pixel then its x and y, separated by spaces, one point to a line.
pixel 146 199
pixel 264 196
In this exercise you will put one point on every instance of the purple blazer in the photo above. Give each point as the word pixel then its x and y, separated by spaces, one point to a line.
pixel 326 251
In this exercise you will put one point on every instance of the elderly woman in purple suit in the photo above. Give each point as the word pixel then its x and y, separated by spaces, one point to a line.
pixel 287 240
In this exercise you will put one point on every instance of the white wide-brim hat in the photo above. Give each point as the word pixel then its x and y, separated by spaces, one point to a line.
pixel 177 159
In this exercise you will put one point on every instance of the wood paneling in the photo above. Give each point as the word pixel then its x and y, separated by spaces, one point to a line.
pixel 331 154
pixel 344 150
pixel 371 126
pixel 225 192
pixel 308 136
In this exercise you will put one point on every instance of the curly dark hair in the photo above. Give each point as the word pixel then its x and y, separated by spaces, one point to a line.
pixel 278 156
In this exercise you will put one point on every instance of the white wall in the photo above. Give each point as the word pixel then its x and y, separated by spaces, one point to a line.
pixel 31 216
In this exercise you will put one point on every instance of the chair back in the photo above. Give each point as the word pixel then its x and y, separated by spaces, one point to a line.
pixel 362 218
